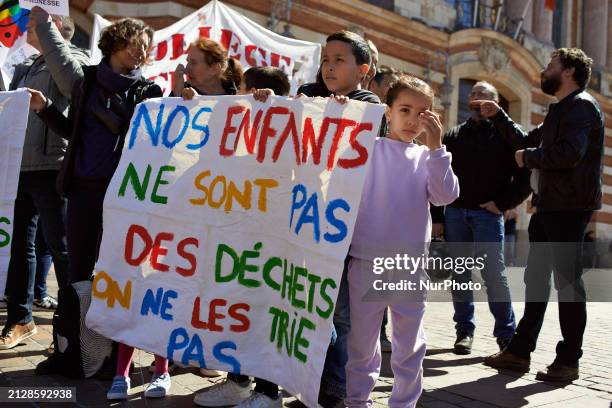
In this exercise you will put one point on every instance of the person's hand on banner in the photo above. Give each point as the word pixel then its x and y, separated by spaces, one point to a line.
pixel 179 80
pixel 39 15
pixel 38 101
pixel 341 99
pixel 432 127
pixel 261 95
pixel 188 93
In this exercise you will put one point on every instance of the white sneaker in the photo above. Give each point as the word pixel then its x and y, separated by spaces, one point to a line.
pixel 257 400
pixel 158 387
pixel 119 389
pixel 223 394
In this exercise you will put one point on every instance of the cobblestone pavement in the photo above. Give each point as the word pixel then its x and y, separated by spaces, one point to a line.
pixel 450 380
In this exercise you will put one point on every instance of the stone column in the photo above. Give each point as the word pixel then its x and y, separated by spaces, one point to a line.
pixel 595 30
pixel 542 21
pixel 515 8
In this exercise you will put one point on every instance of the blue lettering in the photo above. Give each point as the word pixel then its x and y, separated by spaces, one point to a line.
pixel 143 113
pixel 203 128
pixel 335 222
pixel 224 358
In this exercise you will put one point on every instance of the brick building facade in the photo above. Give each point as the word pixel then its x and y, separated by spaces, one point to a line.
pixel 452 43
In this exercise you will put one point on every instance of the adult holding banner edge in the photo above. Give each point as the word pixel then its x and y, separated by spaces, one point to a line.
pixel 52 71
pixel 103 101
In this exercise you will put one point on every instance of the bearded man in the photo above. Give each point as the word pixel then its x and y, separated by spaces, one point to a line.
pixel 565 156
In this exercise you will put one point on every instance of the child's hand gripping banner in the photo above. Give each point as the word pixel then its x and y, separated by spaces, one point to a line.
pixel 226 226
pixel 14 109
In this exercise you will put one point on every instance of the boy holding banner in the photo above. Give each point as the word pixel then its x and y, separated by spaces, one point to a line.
pixel 345 62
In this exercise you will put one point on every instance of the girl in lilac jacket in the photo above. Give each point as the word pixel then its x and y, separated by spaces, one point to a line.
pixel 393 228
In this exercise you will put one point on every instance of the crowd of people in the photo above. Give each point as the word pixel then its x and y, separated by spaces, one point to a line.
pixel 423 181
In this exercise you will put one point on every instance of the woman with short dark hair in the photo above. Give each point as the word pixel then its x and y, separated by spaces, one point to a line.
pixel 102 105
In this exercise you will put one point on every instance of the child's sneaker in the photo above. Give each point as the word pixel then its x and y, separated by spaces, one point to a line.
pixel 158 387
pixel 258 400
pixel 120 388
pixel 222 394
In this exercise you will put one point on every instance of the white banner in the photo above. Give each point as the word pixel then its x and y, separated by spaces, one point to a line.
pixel 226 226
pixel 248 42
pixel 58 7
pixel 14 108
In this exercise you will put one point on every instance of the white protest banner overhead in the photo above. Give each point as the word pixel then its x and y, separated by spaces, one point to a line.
pixel 246 41
pixel 14 109
pixel 57 7
pixel 226 226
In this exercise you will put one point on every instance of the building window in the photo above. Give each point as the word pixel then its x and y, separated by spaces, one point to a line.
pixel 463 109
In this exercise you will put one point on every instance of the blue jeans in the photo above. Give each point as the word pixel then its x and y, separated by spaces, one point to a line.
pixel 333 380
pixel 486 231
pixel 43 264
pixel 36 198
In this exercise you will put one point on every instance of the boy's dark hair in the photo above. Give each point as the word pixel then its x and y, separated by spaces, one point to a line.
pixel 116 36
pixel 577 59
pixel 383 71
pixel 359 46
pixel 267 77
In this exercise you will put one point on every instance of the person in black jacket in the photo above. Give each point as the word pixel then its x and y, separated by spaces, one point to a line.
pixel 491 183
pixel 102 104
pixel 565 156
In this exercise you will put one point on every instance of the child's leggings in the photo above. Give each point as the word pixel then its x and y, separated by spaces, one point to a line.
pixel 124 359
pixel 364 356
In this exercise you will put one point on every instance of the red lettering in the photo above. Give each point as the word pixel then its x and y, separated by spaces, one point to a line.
pixel 358 147
pixel 226 37
pixel 204 32
pixel 195 315
pixel 158 250
pixel 290 128
pixel 341 124
pixel 178 45
pixel 189 257
pixel 250 140
pixel 242 318
pixel 213 316
pixel 316 143
pixel 267 131
pixel 248 55
pixel 129 245
pixel 229 129
pixel 161 50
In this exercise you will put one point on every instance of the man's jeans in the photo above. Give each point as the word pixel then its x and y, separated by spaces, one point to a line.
pixel 556 240
pixel 333 380
pixel 43 264
pixel 486 231
pixel 36 197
